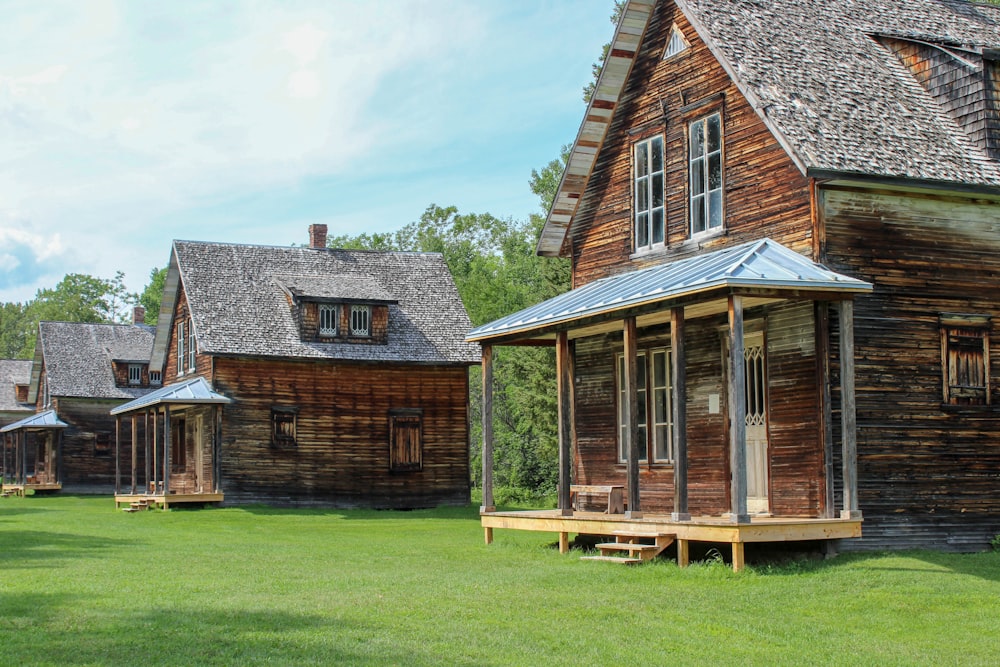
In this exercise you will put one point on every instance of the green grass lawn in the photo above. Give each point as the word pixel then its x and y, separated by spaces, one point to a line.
pixel 81 583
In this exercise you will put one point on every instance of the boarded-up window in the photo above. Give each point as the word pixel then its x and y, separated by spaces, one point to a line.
pixel 283 427
pixel 102 444
pixel 405 441
pixel 178 445
pixel 965 356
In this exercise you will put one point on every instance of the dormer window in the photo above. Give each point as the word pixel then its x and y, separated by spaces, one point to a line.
pixel 155 378
pixel 135 374
pixel 327 320
pixel 361 320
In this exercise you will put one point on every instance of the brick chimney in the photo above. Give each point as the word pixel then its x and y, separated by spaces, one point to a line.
pixel 317 236
pixel 138 315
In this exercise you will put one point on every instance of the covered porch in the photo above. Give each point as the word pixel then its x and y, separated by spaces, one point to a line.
pixel 32 454
pixel 181 427
pixel 703 389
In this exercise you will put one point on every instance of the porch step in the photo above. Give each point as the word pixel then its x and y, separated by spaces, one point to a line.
pixel 137 506
pixel 630 549
pixel 615 559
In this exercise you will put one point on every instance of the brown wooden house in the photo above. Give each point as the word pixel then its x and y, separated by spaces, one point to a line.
pixel 784 222
pixel 80 371
pixel 347 373
pixel 14 377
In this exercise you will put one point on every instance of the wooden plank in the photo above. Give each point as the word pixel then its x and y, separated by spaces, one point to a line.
pixel 630 338
pixel 737 412
pixel 739 557
pixel 487 417
pixel 683 555
pixel 564 542
pixel 679 407
pixel 848 410
pixel 564 389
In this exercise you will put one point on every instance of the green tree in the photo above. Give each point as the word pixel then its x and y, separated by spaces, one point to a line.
pixel 17 331
pixel 152 294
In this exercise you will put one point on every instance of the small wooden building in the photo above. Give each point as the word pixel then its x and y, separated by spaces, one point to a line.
pixel 81 371
pixel 701 368
pixel 347 372
pixel 15 375
pixel 33 454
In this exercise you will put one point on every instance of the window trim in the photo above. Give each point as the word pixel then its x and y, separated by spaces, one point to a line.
pixel 709 230
pixel 181 341
pixel 334 314
pixel 409 417
pixel 192 350
pixel 967 328
pixel 134 375
pixel 357 331
pixel 284 415
pixel 648 181
pixel 646 356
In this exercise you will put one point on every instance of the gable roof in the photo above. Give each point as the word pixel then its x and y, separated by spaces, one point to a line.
pixel 760 265
pixel 836 99
pixel 238 297
pixel 195 391
pixel 77 358
pixel 14 372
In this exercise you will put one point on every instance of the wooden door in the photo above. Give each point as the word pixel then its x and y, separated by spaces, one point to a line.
pixel 756 423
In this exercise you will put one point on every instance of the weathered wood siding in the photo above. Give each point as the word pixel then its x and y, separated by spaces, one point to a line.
pixel 342 451
pixel 764 192
pixel 795 449
pixel 86 468
pixel 308 320
pixel 929 474
pixel 203 363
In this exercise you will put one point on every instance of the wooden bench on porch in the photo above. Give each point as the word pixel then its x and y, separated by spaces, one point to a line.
pixel 614 493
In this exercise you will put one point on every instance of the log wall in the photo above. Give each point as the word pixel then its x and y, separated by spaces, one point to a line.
pixel 764 192
pixel 341 454
pixel 87 467
pixel 929 473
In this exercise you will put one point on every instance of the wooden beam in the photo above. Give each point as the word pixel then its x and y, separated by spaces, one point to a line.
pixel 631 337
pixel 564 382
pixel 166 453
pixel 822 322
pixel 59 456
pixel 217 451
pixel 683 555
pixel 145 457
pixel 848 416
pixel 737 413
pixel 487 416
pixel 135 450
pixel 739 556
pixel 118 454
pixel 564 543
pixel 679 382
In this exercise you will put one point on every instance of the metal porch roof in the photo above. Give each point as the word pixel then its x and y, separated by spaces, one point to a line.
pixel 190 392
pixel 763 264
pixel 47 419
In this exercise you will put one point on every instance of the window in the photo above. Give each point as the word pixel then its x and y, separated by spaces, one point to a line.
pixel 655 406
pixel 283 427
pixel 648 202
pixel 675 43
pixel 405 441
pixel 102 444
pixel 965 356
pixel 192 360
pixel 361 317
pixel 327 320
pixel 135 374
pixel 155 378
pixel 180 347
pixel 178 445
pixel 705 184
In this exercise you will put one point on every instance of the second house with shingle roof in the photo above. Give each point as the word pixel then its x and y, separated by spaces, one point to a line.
pixel 306 375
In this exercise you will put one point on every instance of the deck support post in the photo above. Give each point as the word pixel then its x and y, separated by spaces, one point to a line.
pixel 632 393
pixel 135 451
pixel 737 413
pixel 564 380
pixel 145 457
pixel 166 454
pixel 564 543
pixel 683 555
pixel 488 531
pixel 118 454
pixel 739 556
pixel 679 382
pixel 848 414
pixel 488 504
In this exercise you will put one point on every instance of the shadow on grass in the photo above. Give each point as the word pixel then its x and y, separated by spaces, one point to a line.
pixel 984 565
pixel 38 548
pixel 464 512
pixel 189 636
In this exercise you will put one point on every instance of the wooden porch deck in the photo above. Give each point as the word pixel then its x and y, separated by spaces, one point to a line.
pixel 698 529
pixel 164 501
pixel 19 489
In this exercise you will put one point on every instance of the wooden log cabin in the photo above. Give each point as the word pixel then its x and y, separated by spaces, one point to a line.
pixel 80 371
pixel 344 376
pixel 33 454
pixel 783 219
pixel 14 377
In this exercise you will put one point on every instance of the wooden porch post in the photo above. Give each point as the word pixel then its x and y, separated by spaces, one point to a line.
pixel 135 450
pixel 564 378
pixel 166 453
pixel 59 456
pixel 217 451
pixel 22 437
pixel 679 382
pixel 848 416
pixel 632 392
pixel 118 454
pixel 156 433
pixel 145 450
pixel 487 417
pixel 737 413
pixel 822 315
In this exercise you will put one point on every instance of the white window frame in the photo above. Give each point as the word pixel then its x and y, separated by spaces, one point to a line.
pixel 655 398
pixel 192 350
pixel 135 374
pixel 155 378
pixel 701 157
pixel 327 311
pixel 361 315
pixel 649 194
pixel 181 342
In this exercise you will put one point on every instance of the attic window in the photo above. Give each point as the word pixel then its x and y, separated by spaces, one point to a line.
pixel 327 320
pixel 361 319
pixel 155 378
pixel 135 374
pixel 675 43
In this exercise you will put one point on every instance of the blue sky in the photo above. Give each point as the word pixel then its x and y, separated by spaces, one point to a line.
pixel 127 123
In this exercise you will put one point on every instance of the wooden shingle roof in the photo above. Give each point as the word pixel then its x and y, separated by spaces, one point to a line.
pixel 835 97
pixel 78 357
pixel 238 297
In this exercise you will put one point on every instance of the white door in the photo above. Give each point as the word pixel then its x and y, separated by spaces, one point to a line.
pixel 756 424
